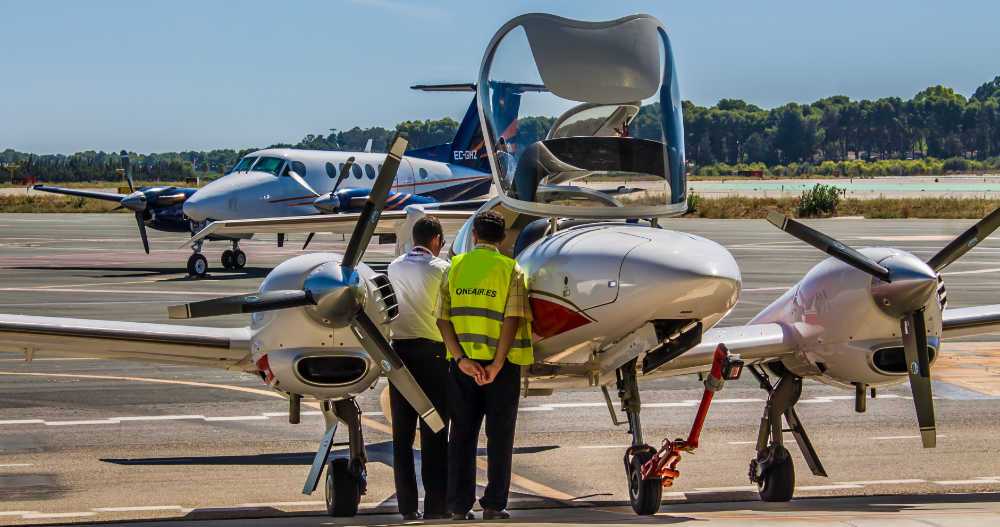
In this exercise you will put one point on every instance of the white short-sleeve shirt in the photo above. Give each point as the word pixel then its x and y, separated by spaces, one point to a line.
pixel 416 278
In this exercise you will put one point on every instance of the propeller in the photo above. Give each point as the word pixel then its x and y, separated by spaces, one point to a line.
pixel 904 285
pixel 965 241
pixel 334 295
pixel 329 203
pixel 137 202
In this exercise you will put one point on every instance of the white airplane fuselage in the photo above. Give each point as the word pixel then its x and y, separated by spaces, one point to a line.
pixel 254 193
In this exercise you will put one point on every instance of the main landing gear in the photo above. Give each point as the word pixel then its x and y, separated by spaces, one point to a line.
pixel 234 259
pixel 346 478
pixel 649 470
pixel 772 469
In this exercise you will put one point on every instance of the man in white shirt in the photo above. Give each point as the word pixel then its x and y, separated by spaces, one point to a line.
pixel 416 279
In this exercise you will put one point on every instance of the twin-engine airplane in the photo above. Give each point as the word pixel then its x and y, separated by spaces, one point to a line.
pixel 292 182
pixel 616 298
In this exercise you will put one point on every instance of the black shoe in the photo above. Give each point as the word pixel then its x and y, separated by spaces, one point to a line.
pixel 491 514
pixel 436 515
pixel 462 516
pixel 412 516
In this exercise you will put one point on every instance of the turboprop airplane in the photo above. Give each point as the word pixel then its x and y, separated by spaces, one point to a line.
pixel 616 298
pixel 292 182
pixel 158 208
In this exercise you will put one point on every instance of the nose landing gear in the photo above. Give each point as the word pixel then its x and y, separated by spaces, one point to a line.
pixel 650 470
pixel 197 264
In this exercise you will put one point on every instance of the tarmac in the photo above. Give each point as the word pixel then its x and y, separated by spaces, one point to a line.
pixel 85 441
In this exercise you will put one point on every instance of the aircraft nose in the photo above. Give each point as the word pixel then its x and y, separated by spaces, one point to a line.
pixel 681 276
pixel 208 202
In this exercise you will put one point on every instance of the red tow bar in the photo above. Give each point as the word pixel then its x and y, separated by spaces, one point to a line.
pixel 664 464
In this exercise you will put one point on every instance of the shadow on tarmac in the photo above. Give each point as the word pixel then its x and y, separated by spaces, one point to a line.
pixel 147 272
pixel 377 452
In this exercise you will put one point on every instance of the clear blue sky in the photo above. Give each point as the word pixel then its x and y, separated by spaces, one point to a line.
pixel 179 74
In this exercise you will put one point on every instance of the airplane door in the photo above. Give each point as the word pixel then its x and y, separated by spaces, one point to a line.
pixel 404 177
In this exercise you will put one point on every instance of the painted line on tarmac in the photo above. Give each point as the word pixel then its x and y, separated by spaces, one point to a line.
pixel 154 418
pixel 109 291
pixel 529 485
pixel 686 403
pixel 976 271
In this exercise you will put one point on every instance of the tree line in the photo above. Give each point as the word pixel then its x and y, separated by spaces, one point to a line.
pixel 937 130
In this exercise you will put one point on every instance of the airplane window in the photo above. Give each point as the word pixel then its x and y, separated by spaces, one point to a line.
pixel 331 171
pixel 271 165
pixel 356 170
pixel 370 171
pixel 423 173
pixel 299 168
pixel 243 165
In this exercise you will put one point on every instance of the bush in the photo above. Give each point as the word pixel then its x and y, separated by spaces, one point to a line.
pixel 693 201
pixel 819 200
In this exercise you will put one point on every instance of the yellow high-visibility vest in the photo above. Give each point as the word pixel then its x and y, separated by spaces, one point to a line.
pixel 479 283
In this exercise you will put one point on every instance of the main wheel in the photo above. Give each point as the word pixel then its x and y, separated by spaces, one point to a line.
pixel 343 490
pixel 644 494
pixel 197 265
pixel 227 259
pixel 239 259
pixel 777 483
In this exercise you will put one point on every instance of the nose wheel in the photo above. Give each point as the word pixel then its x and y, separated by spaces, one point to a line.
pixel 197 265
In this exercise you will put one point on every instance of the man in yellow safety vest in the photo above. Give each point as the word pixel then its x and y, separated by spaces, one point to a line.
pixel 485 321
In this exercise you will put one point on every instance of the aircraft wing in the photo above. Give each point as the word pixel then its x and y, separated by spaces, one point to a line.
pixel 341 223
pixel 754 343
pixel 106 196
pixel 165 343
pixel 966 321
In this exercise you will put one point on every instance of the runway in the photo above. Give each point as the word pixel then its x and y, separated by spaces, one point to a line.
pixel 86 440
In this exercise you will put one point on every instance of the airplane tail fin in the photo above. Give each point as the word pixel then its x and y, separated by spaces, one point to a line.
pixel 468 148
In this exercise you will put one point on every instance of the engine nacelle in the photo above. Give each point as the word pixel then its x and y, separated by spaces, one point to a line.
pixel 846 327
pixel 297 353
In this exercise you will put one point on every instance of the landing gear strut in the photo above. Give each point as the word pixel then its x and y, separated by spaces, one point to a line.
pixel 772 469
pixel 234 259
pixel 643 493
pixel 197 264
pixel 346 478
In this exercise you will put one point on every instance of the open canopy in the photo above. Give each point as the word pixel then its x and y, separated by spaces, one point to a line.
pixel 583 119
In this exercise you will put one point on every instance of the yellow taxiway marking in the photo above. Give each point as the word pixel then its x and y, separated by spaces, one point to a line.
pixel 535 487
pixel 971 365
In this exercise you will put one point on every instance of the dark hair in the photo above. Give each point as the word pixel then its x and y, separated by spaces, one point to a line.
pixel 489 227
pixel 426 229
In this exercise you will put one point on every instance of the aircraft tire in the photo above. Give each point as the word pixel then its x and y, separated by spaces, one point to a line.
pixel 239 259
pixel 228 262
pixel 197 265
pixel 644 495
pixel 343 491
pixel 777 483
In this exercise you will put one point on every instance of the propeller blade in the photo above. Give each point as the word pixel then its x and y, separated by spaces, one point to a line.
pixel 308 239
pixel 914 333
pixel 375 344
pixel 128 172
pixel 372 209
pixel 251 303
pixel 829 245
pixel 344 172
pixel 302 183
pixel 142 230
pixel 965 241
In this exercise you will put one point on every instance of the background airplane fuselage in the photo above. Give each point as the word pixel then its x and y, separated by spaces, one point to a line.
pixel 260 194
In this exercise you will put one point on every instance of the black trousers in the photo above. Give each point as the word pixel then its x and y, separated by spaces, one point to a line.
pixel 425 360
pixel 469 403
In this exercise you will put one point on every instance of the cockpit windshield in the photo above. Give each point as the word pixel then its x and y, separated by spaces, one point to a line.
pixel 271 165
pixel 244 164
pixel 583 119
